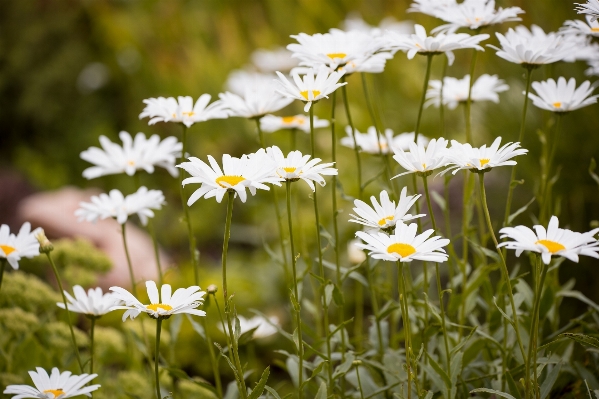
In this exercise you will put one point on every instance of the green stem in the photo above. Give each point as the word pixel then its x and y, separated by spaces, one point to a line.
pixel 66 307
pixel 91 345
pixel 222 322
pixel 545 200
pixel 403 298
pixel 466 209
pixel 157 355
pixel 356 148
pixel 469 100
pixel 297 303
pixel 359 381
pixel 213 360
pixel 375 307
pixel 510 193
pixel 441 105
pixel 156 250
pixel 191 237
pixel 506 274
pixel 131 275
pixel 428 203
pixel 2 267
pixel 260 134
pixel 534 328
pixel 429 61
pixel 293 136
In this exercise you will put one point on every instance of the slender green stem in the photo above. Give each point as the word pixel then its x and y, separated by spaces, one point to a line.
pixel 533 341
pixel 66 307
pixel 506 274
pixel 510 194
pixel 2 267
pixel 469 100
pixel 91 344
pixel 191 237
pixel 466 216
pixel 260 134
pixel 359 380
pixel 375 307
pixel 403 298
pixel 156 250
pixel 353 132
pixel 428 203
pixel 545 191
pixel 131 275
pixel 441 104
pixel 157 356
pixel 429 61
pixel 334 195
pixel 448 233
pixel 297 303
pixel 222 322
pixel 293 136
pixel 213 360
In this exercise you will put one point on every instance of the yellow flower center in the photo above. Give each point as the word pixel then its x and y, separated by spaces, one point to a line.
pixel 131 163
pixel 594 29
pixel 552 246
pixel 189 114
pixel 7 249
pixel 304 93
pixel 417 45
pixel 557 105
pixel 55 392
pixel 384 220
pixel 289 169
pixel 484 161
pixel 336 55
pixel 402 250
pixel 155 306
pixel 231 180
pixel 423 166
pixel 288 120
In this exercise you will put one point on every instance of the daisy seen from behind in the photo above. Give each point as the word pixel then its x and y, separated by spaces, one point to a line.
pixel 278 59
pixel 386 215
pixel 163 305
pixel 562 96
pixel 550 241
pixel 93 303
pixel 312 87
pixel 57 385
pixel 273 123
pixel 182 110
pixel 482 159
pixel 455 91
pixel 591 7
pixel 250 172
pixel 14 247
pixel 116 205
pixel 404 245
pixel 422 159
pixel 578 27
pixel 135 154
pixel 297 166
pixel 369 142
pixel 475 14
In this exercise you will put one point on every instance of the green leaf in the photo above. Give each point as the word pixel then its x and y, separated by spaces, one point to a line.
pixel 272 392
pixel 439 370
pixel 513 386
pixel 493 391
pixel 592 168
pixel 247 336
pixel 257 391
pixel 236 327
pixel 550 380
pixel 322 391
pixel 439 200
pixel 502 312
pixel 337 296
pixel 317 277
pixel 514 215
pixel 582 339
pixel 328 293
pixel 222 353
pixel 197 327
pixel 387 309
pixel 578 295
pixel 344 367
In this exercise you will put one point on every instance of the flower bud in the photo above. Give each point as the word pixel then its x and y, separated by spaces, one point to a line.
pixel 45 244
pixel 212 289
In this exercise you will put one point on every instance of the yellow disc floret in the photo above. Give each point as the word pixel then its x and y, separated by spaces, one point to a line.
pixel 55 392
pixel 402 250
pixel 384 220
pixel 336 55
pixel 7 249
pixel 230 180
pixel 156 306
pixel 552 246
pixel 315 93
pixel 484 161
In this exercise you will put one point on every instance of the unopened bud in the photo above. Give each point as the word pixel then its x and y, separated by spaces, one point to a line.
pixel 211 289
pixel 45 244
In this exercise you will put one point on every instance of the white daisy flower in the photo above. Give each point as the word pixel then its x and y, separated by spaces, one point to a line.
pixel 57 385
pixel 135 154
pixel 385 215
pixel 252 95
pixel 333 49
pixel 549 242
pixel 371 64
pixel 297 166
pixel 532 47
pixel 354 22
pixel 422 158
pixel 182 110
pixel 93 303
pixel 116 205
pixel 578 27
pixel 272 123
pixel 431 7
pixel 455 91
pixel 420 43
pixel 308 88
pixel 250 171
pixel 464 156
pixel 355 254
pixel 278 59
pixel 591 7
pixel 23 245
pixel 593 68
pixel 183 300
pixel 404 245
pixel 264 327
pixel 562 96
pixel 369 142
pixel 475 14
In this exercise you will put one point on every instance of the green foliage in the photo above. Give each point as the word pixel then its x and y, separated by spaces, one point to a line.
pixel 27 292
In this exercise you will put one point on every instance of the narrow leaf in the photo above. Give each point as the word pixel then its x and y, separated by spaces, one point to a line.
pixel 550 380
pixel 257 391
pixel 493 391
pixel 585 340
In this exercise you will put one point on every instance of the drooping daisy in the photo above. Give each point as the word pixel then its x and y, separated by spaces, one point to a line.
pixel 278 59
pixel 475 14
pixel 533 47
pixel 591 7
pixel 578 27
pixel 333 49
pixel 182 110
pixel 549 242
pixel 297 166
pixel 385 215
pixel 308 88
pixel 94 303
pixel 183 300
pixel 420 43
pixel 562 96
pixel 14 247
pixel 272 123
pixel 251 172
pixel 263 327
pixel 422 158
pixel 405 245
pixel 369 142
pixel 252 95
pixel 455 91
pixel 135 154
pixel 116 205
pixel 57 385
pixel 482 159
